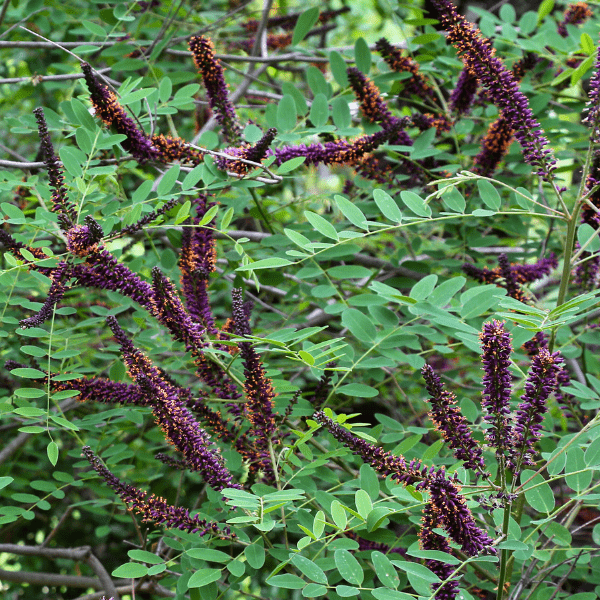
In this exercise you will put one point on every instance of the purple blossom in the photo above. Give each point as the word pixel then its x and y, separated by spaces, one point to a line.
pixel 416 84
pixel 153 508
pixel 541 382
pixel 258 388
pixel 174 418
pixel 196 263
pixel 67 213
pixel 84 239
pixel 576 14
pixel 495 342
pixel 451 423
pixel 168 309
pixel 494 146
pixel 510 283
pixel 211 71
pixel 254 153
pixel 430 540
pixel 174 149
pixel 341 151
pixel 461 99
pixel 457 519
pixel 108 109
pixel 478 56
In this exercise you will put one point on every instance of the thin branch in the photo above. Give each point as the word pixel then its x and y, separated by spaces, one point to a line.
pixel 36 79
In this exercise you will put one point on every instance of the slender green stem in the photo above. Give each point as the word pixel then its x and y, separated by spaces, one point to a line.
pixel 503 555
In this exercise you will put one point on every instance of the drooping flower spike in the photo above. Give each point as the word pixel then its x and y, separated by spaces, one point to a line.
pixel 211 71
pixel 449 421
pixel 575 14
pixel 174 418
pixel 478 56
pixel 259 391
pixel 497 381
pixel 67 213
pixel 445 493
pixel 463 95
pixel 541 382
pixel 153 508
pixel 254 153
pixel 108 109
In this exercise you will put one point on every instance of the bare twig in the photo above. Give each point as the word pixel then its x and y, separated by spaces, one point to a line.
pixel 40 78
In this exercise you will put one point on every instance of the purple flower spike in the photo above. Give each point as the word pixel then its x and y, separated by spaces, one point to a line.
pixel 494 146
pixel 254 153
pixel 495 341
pixel 576 14
pixel 258 388
pixel 174 149
pixel 451 423
pixel 211 71
pixel 455 517
pixel 153 508
pixel 372 105
pixel 174 418
pixel 430 540
pixel 542 380
pixel 478 56
pixel 84 239
pixel 67 213
pixel 197 262
pixel 107 107
pixel 463 94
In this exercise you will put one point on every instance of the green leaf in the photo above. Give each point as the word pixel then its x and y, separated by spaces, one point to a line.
pixel 418 570
pixel 376 518
pixel 312 590
pixel 266 263
pixel 351 212
pixel 319 110
pixel 304 24
pixel 203 577
pixel 338 68
pixel 423 288
pixel 358 390
pixel 290 165
pixel 369 481
pixel 387 205
pixel 362 56
pixel 545 8
pixel 286 113
pixel 319 524
pixel 28 373
pixel 384 570
pixel 287 581
pixel 309 568
pixel 184 212
pixel 587 44
pixel 345 591
pixel 576 462
pixel 209 554
pixel 582 69
pixel 144 556
pixel 192 178
pixel 442 294
pixel 338 514
pixel 349 272
pixel 297 238
pixel 415 203
pixel 348 567
pixel 317 82
pixel 255 554
pixel 340 112
pixel 52 452
pixel 168 180
pixel 321 225
pixel 538 493
pixel 434 555
pixel 94 28
pixel 363 503
pixel 586 232
pixel 359 325
pixel 72 159
pixel 236 568
pixel 4 481
pixel 132 570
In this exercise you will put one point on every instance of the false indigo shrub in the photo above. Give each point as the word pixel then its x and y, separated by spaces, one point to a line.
pixel 237 306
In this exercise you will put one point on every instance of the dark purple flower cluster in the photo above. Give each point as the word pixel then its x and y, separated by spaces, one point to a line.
pixel 494 146
pixel 84 239
pixel 416 84
pixel 541 382
pixel 259 391
pixel 478 56
pixel 576 14
pixel 456 519
pixel 174 149
pixel 497 381
pixel 430 540
pixel 463 95
pixel 211 71
pixel 449 421
pixel 174 418
pixel 254 153
pixel 153 508
pixel 67 213
pixel 113 114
